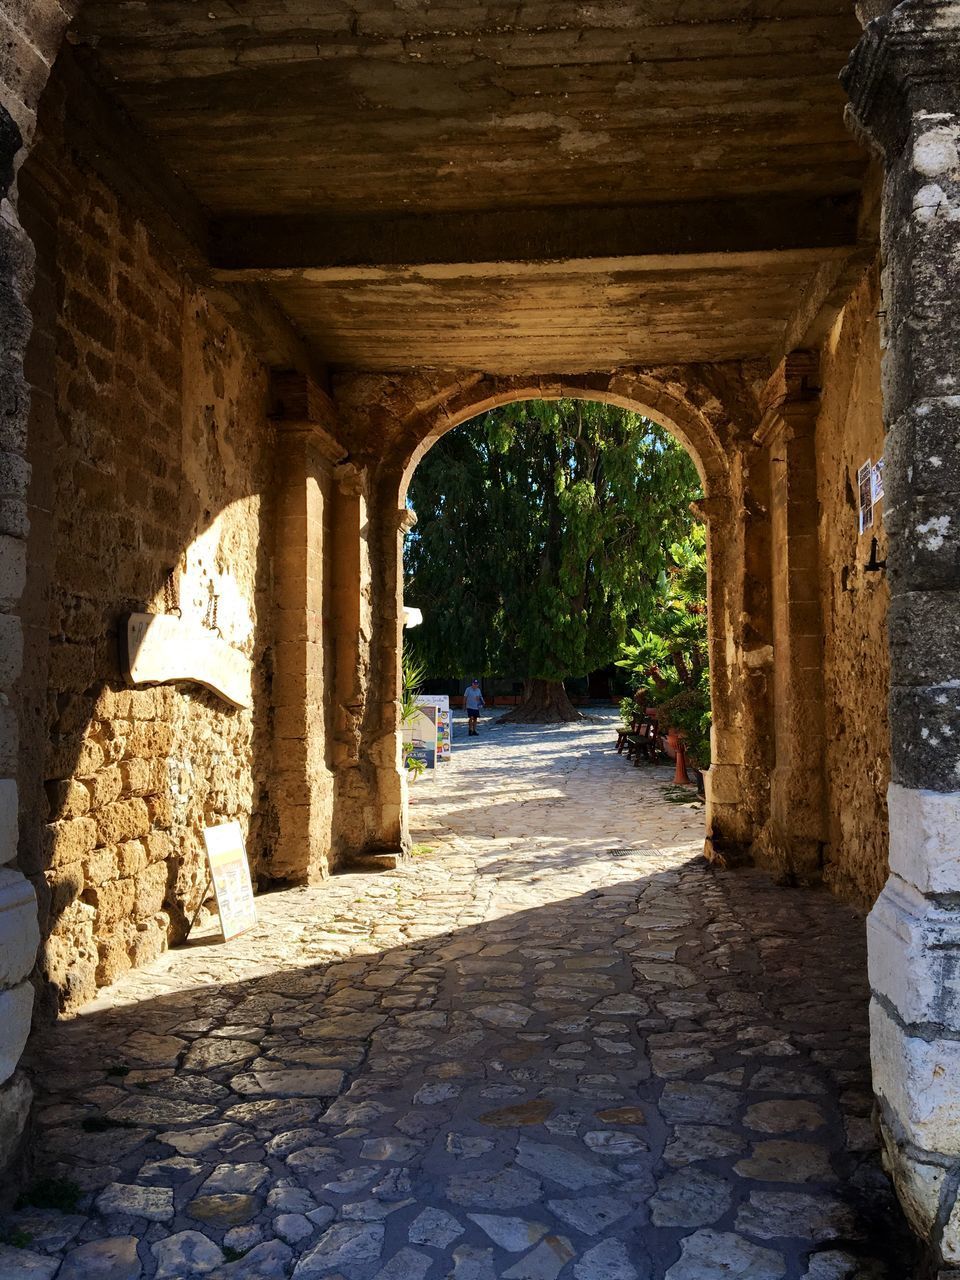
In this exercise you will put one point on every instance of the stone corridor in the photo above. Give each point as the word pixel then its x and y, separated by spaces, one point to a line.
pixel 515 1057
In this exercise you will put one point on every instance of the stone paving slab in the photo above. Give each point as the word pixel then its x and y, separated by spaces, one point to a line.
pixel 513 1057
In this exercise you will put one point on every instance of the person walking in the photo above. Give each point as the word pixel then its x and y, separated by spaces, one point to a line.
pixel 473 701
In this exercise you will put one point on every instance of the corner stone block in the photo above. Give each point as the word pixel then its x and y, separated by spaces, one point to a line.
pixel 16 1008
pixel 918 1185
pixel 925 837
pixel 726 783
pixel 914 955
pixel 919 1081
pixel 19 929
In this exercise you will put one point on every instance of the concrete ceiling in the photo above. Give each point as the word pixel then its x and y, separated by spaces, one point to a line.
pixel 506 186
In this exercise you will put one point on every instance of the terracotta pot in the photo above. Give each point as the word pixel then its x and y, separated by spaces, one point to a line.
pixel 670 740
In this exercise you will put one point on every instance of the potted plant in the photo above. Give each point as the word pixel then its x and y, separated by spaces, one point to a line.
pixel 688 714
pixel 414 766
pixel 411 677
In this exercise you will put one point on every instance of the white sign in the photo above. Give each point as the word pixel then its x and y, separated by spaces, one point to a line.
pixel 158 648
pixel 444 722
pixel 420 733
pixel 230 873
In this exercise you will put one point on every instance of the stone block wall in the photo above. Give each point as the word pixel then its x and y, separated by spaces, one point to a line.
pixel 150 449
pixel 31 36
pixel 854 604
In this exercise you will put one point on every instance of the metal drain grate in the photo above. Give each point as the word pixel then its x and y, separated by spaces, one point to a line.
pixel 623 853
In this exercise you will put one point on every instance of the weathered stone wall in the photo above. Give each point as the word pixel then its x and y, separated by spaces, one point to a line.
pixel 31 36
pixel 151 460
pixel 854 604
pixel 904 85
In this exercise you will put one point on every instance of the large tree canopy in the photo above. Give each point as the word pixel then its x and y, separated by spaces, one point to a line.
pixel 543 528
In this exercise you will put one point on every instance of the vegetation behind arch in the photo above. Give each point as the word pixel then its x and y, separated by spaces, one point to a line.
pixel 543 530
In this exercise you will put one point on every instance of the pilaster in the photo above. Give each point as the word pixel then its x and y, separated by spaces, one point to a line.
pixel 738 550
pixel 371 808
pixel 797 828
pixel 302 782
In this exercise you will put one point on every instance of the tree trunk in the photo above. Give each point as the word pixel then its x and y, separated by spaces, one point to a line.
pixel 544 702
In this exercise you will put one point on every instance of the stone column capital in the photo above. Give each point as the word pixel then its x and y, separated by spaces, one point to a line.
pixel 907 60
pixel 350 478
pixel 790 401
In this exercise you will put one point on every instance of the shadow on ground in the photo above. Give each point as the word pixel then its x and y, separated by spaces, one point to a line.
pixel 665 1076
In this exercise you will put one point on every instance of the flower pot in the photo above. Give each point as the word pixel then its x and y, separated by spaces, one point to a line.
pixel 670 740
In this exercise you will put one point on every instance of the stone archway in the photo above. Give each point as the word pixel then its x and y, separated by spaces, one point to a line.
pixel 904 84
pixel 711 416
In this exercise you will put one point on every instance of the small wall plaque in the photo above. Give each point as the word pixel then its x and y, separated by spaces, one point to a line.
pixel 157 648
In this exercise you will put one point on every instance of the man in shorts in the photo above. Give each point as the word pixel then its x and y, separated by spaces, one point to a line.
pixel 473 701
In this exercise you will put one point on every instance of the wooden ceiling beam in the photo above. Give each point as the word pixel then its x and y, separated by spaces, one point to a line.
pixel 261 247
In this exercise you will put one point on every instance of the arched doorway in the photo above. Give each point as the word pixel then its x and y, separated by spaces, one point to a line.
pixel 703 418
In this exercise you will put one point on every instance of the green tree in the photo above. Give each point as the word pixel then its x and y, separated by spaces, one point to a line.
pixel 668 653
pixel 542 533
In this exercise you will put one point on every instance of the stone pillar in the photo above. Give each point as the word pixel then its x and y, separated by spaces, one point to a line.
pixel 738 562
pixel 349 616
pixel 794 839
pixel 32 37
pixel 302 782
pixel 19 930
pixel 356 802
pixel 904 83
pixel 379 805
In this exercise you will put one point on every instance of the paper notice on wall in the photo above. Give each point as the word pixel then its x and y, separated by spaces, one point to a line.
pixel 876 480
pixel 230 873
pixel 865 494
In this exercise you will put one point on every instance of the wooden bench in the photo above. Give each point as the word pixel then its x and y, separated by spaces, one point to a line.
pixel 641 740
pixel 624 736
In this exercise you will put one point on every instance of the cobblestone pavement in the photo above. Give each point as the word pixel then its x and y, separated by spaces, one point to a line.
pixel 517 1058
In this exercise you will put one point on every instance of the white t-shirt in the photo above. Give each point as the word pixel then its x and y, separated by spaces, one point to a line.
pixel 473 698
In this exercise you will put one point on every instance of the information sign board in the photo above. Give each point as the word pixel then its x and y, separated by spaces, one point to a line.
pixel 230 873
pixel 421 734
pixel 444 721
